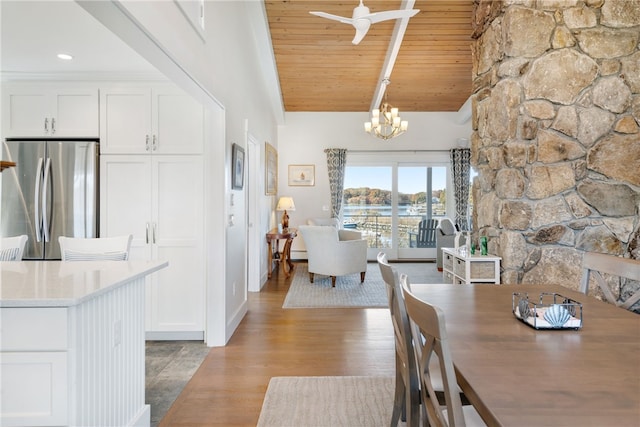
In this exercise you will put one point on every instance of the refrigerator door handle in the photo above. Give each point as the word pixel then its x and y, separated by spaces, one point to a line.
pixel 45 221
pixel 36 202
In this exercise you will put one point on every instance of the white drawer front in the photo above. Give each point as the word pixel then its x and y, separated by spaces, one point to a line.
pixel 25 329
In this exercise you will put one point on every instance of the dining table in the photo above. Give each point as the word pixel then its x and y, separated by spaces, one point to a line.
pixel 516 375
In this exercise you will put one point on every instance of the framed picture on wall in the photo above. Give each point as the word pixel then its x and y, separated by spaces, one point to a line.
pixel 302 175
pixel 270 170
pixel 237 169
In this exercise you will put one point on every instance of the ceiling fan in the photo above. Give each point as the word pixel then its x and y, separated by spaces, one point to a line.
pixel 362 19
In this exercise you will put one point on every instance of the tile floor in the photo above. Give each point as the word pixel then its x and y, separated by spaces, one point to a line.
pixel 169 366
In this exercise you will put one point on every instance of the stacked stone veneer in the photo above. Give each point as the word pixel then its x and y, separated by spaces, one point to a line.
pixel 556 136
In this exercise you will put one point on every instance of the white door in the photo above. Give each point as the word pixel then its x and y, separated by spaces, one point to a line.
pixel 159 199
pixel 144 120
pixel 177 122
pixel 125 201
pixel 125 116
pixel 178 293
pixel 75 112
pixel 255 238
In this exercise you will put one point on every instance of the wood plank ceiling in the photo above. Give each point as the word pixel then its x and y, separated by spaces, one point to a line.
pixel 320 70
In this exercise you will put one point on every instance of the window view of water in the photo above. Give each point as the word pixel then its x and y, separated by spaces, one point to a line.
pixel 369 202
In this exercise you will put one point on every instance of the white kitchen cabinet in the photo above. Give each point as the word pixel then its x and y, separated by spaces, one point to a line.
pixel 72 343
pixel 143 120
pixel 48 110
pixel 459 267
pixel 159 200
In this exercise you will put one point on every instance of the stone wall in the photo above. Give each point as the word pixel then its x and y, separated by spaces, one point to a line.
pixel 556 141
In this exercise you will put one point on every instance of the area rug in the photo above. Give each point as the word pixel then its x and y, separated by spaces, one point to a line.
pixel 327 401
pixel 349 292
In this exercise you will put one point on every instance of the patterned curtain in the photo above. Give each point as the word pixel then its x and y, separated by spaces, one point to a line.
pixel 460 164
pixel 336 163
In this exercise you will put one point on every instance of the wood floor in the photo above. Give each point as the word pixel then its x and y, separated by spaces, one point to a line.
pixel 229 386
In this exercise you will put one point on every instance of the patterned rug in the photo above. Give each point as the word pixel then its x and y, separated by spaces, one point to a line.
pixel 349 292
pixel 328 401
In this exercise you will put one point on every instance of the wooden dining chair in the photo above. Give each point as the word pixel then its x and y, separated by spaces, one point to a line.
pixel 406 401
pixel 594 264
pixel 433 342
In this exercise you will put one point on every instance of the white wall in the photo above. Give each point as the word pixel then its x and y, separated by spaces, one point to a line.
pixel 223 69
pixel 304 136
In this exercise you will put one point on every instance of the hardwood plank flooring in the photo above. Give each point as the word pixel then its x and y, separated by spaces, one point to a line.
pixel 229 386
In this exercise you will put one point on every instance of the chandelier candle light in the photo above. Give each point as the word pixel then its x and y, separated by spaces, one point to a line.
pixel 386 122
pixel 285 203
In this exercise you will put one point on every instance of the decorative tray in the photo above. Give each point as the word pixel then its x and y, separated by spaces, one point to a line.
pixel 553 311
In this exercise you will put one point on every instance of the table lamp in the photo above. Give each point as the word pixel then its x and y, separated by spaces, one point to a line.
pixel 285 203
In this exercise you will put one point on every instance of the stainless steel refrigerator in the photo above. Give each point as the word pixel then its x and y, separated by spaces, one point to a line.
pixel 52 191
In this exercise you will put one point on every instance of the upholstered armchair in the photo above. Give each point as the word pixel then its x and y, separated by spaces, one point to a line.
pixel 332 252
pixel 324 221
pixel 445 238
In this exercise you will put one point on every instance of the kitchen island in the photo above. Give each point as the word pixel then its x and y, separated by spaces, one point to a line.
pixel 73 342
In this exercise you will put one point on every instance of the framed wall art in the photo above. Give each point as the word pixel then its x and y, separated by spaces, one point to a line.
pixel 270 170
pixel 237 169
pixel 302 175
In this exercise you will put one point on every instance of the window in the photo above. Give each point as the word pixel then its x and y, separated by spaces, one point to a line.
pixel 386 202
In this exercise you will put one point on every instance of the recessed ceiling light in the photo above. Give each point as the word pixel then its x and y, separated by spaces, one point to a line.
pixel 65 56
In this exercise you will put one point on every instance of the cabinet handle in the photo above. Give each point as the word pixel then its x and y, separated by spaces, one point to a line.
pixel 147 235
pixel 154 233
pixel 46 125
pixel 154 145
pixel 53 125
pixel 146 146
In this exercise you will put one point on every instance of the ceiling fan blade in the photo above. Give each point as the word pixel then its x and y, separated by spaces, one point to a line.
pixel 391 14
pixel 333 17
pixel 362 27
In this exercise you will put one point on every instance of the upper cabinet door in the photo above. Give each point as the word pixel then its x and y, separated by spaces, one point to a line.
pixel 158 120
pixel 178 122
pixel 125 121
pixel 44 110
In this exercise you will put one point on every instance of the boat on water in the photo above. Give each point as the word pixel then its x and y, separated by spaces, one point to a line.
pixel 416 210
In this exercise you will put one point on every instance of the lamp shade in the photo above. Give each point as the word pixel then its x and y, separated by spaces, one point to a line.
pixel 285 203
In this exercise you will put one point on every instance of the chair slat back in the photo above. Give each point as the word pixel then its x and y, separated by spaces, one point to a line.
pixel 401 325
pixel 94 249
pixel 427 233
pixel 405 356
pixel 594 264
pixel 433 341
pixel 12 248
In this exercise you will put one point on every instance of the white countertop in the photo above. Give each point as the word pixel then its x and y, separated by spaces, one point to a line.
pixel 66 283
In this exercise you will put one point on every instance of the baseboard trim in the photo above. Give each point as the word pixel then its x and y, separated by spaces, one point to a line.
pixel 142 418
pixel 174 336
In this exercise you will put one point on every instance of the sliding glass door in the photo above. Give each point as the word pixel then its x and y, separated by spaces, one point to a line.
pixel 421 197
pixel 367 203
pixel 387 202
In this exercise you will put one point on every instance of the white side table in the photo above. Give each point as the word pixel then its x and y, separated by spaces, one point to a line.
pixel 460 267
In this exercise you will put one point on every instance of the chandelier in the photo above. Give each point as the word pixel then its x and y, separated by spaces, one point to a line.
pixel 386 122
